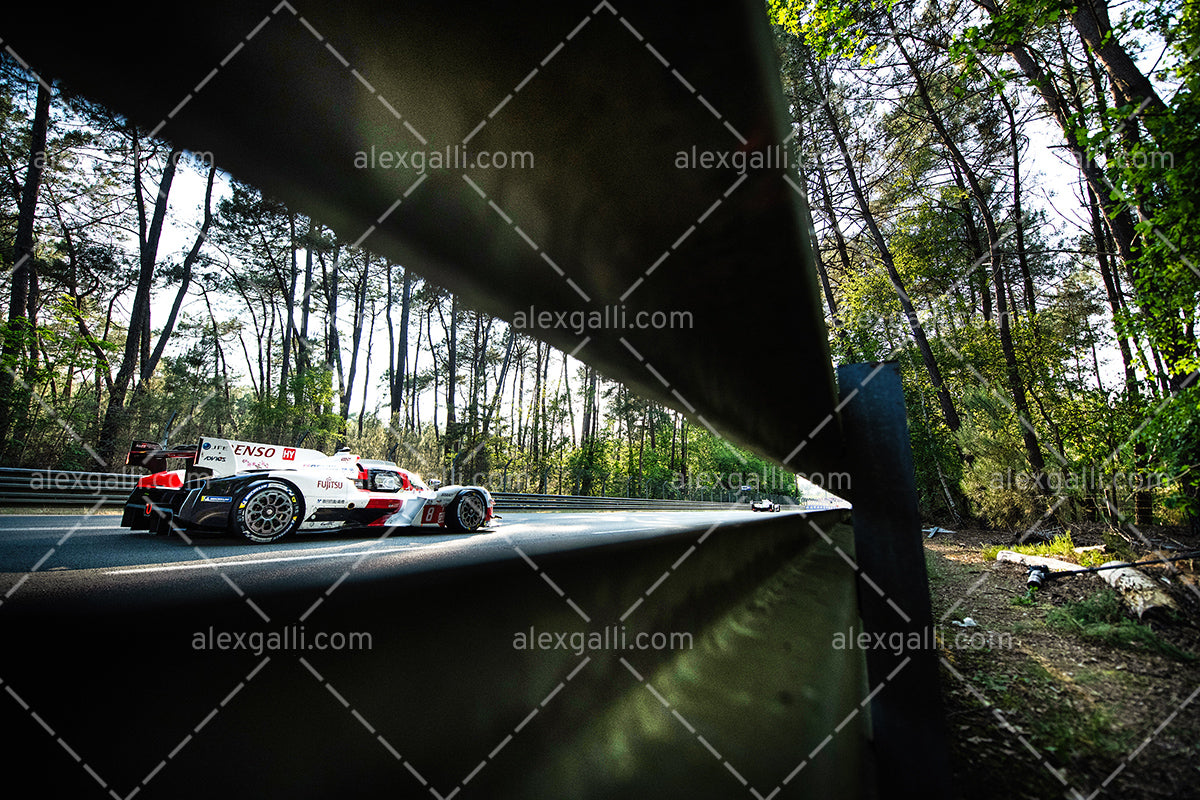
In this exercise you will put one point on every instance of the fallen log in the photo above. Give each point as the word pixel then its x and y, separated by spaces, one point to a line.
pixel 1139 593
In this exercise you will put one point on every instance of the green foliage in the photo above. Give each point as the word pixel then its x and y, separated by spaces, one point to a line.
pixel 1173 437
pixel 938 464
pixel 997 481
pixel 1101 618
pixel 588 466
pixel 1161 174
pixel 1067 729
pixel 1062 547
pixel 1018 20
pixel 1028 599
pixel 302 410
pixel 1058 547
pixel 830 27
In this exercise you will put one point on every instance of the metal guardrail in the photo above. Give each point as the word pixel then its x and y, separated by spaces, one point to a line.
pixel 447 635
pixel 65 487
pixel 514 501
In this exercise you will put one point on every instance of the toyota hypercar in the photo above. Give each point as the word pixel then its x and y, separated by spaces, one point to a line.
pixel 265 492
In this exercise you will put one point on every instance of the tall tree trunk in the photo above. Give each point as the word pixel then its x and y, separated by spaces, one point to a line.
pixel 289 301
pixel 360 311
pixel 535 411
pixel 452 377
pixel 436 370
pixel 412 409
pixel 683 452
pixel 1110 290
pixel 185 282
pixel 588 432
pixel 137 337
pixel 394 401
pixel 495 402
pixel 306 305
pixel 843 255
pixel 478 348
pixel 12 404
pixel 544 447
pixel 974 242
pixel 1016 386
pixel 1166 327
pixel 333 343
pixel 949 413
pixel 1142 496
pixel 362 412
pixel 1018 211
pixel 1091 20
pixel 398 342
pixel 566 382
pixel 402 370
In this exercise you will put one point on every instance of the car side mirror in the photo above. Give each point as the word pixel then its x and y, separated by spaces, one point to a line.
pixel 434 483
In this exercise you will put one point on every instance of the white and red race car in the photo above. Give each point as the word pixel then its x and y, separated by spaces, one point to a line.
pixel 265 492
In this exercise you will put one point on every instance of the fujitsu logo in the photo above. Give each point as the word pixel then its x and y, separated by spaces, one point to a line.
pixel 329 483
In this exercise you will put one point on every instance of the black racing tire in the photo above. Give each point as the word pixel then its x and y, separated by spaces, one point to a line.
pixel 467 512
pixel 267 511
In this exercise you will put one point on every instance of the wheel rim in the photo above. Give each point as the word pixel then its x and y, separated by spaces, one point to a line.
pixel 471 511
pixel 269 513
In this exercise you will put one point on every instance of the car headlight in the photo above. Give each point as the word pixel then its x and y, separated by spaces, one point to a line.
pixel 384 481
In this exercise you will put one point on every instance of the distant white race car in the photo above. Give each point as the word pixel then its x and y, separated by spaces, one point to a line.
pixel 764 505
pixel 265 492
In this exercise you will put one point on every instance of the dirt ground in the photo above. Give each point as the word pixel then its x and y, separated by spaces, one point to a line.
pixel 1035 710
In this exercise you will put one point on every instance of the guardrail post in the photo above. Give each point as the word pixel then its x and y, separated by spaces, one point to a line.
pixel 906 715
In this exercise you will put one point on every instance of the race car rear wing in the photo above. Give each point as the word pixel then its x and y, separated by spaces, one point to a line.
pixel 153 456
pixel 225 457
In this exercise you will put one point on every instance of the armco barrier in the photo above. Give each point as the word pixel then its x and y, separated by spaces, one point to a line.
pixel 445 703
pixel 65 487
pixel 53 487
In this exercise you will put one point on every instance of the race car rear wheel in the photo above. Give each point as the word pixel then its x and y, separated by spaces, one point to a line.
pixel 467 512
pixel 267 511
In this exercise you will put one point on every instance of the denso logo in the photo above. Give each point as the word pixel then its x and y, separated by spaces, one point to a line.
pixel 329 483
pixel 253 450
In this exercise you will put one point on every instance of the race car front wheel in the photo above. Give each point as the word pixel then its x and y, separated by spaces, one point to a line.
pixel 467 512
pixel 267 511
